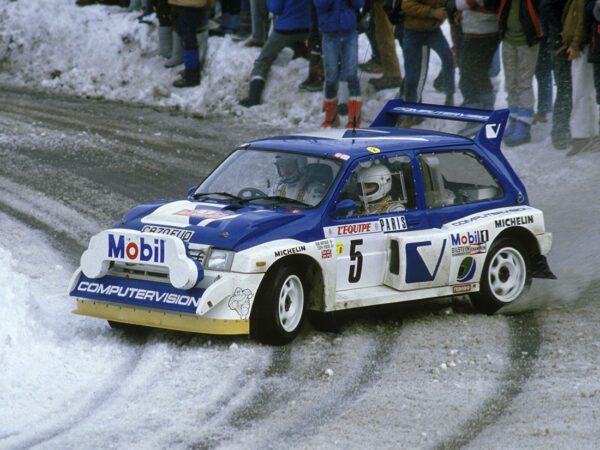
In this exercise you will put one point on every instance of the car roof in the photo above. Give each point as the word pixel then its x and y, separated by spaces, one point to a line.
pixel 354 143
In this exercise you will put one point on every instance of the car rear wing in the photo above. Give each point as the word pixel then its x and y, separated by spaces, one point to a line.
pixel 489 136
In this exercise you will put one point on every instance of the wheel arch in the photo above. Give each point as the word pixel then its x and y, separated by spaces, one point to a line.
pixel 524 236
pixel 312 276
pixel 539 264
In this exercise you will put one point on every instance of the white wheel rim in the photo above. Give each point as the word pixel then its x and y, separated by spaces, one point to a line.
pixel 506 274
pixel 291 303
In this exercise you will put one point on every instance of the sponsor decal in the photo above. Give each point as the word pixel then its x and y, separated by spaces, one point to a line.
pixel 463 288
pixel 512 221
pixel 184 235
pixel 240 302
pixel 202 213
pixel 327 244
pixel 488 214
pixel 391 224
pixel 147 250
pixel 417 270
pixel 326 248
pixel 342 156
pixel 148 296
pixel 466 250
pixel 438 113
pixel 290 251
pixel 492 130
pixel 466 270
pixel 475 237
pixel 373 149
pixel 353 228
pixel 339 248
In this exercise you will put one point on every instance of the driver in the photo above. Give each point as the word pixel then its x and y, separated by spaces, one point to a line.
pixel 375 184
pixel 293 180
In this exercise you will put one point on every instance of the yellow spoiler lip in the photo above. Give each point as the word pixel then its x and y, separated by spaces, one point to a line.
pixel 160 319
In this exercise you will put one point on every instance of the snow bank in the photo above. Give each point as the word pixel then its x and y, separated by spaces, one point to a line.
pixel 103 52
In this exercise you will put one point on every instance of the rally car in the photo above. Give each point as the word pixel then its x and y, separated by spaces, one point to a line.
pixel 322 222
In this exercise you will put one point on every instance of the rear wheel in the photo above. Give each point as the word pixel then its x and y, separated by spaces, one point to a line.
pixel 278 312
pixel 506 276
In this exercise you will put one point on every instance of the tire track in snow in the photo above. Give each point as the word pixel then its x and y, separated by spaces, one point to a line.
pixel 525 340
pixel 314 410
pixel 51 428
pixel 43 433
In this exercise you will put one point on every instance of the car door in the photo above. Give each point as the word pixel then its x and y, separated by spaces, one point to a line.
pixel 362 236
pixel 419 258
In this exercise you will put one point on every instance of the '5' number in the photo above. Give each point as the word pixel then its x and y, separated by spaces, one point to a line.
pixel 355 256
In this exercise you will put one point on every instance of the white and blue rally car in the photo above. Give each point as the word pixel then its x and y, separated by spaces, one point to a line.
pixel 324 222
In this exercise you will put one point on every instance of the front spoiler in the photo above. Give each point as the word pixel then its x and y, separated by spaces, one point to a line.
pixel 160 319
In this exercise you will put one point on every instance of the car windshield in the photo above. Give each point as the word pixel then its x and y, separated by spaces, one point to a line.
pixel 270 178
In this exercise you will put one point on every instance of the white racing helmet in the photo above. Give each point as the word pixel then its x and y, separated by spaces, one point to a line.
pixel 290 166
pixel 374 182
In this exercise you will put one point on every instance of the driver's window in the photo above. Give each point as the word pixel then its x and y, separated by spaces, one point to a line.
pixel 380 186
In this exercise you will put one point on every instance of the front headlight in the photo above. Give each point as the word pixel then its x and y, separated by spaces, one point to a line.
pixel 219 260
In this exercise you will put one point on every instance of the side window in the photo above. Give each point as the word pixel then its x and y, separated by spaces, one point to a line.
pixel 381 186
pixel 456 178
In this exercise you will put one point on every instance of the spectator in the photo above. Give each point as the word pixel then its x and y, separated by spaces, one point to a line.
pixel 592 8
pixel 245 29
pixel 551 13
pixel 259 13
pixel 192 19
pixel 584 121
pixel 543 75
pixel 422 22
pixel 373 65
pixel 291 27
pixel 480 41
pixel 521 31
pixel 165 29
pixel 230 18
pixel 123 3
pixel 337 22
pixel 384 33
pixel 314 81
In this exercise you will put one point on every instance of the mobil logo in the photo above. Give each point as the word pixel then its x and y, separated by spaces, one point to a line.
pixel 471 237
pixel 146 250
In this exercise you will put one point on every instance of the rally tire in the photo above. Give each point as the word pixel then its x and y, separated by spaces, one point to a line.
pixel 278 311
pixel 506 276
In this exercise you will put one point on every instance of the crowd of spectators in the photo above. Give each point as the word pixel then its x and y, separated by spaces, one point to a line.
pixel 555 42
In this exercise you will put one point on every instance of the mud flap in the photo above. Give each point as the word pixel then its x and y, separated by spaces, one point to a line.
pixel 540 269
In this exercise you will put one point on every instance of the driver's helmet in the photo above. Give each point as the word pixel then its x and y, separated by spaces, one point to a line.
pixel 375 182
pixel 290 166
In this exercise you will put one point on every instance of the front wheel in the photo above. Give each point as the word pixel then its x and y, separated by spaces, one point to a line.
pixel 506 276
pixel 278 312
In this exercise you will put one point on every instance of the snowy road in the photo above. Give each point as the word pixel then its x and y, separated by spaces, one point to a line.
pixel 429 376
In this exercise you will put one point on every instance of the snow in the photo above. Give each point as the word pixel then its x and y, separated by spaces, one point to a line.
pixel 103 52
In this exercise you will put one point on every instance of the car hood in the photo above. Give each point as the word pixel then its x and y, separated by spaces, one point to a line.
pixel 221 225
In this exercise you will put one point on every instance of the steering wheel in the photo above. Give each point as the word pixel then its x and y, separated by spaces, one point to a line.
pixel 248 193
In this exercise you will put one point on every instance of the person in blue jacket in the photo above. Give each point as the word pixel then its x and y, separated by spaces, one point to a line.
pixel 337 23
pixel 291 27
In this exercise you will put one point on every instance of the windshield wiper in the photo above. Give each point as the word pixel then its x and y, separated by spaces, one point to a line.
pixel 278 198
pixel 222 194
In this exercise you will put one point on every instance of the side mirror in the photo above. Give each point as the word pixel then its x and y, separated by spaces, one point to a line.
pixel 191 191
pixel 344 207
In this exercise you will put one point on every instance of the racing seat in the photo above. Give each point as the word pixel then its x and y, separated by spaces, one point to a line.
pixel 319 173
